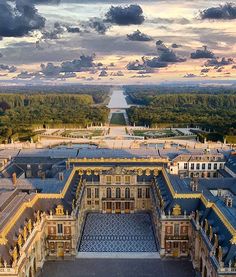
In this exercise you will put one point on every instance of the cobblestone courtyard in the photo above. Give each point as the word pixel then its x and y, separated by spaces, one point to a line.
pixel 118 268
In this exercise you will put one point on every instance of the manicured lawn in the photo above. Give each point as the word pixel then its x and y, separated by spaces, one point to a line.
pixel 117 119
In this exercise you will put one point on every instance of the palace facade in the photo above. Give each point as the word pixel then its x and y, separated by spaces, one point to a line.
pixel 42 218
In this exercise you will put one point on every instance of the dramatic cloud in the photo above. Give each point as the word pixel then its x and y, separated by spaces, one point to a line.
pixel 18 18
pixel 128 15
pixel 166 54
pixel 55 33
pixel 26 75
pixel 135 65
pixel 68 68
pixel 203 54
pixel 205 70
pixel 223 12
pixel 139 36
pixel 98 25
pixel 8 68
pixel 155 63
pixel 219 62
pixel 1 55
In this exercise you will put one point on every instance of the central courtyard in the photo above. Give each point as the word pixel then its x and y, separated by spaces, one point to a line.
pixel 118 233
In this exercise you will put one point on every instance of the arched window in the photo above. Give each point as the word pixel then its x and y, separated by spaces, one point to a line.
pixel 117 192
pixel 108 192
pixel 127 193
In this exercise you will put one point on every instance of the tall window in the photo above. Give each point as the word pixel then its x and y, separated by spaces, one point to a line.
pixel 127 179
pixel 198 166
pixel 108 178
pixel 185 166
pixel 118 179
pixel 96 192
pixel 192 166
pixel 176 229
pixel 88 192
pixel 127 193
pixel 215 166
pixel 203 166
pixel 209 166
pixel 147 192
pixel 117 192
pixel 140 193
pixel 59 229
pixel 108 192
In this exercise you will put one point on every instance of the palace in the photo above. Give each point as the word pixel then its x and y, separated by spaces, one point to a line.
pixel 50 204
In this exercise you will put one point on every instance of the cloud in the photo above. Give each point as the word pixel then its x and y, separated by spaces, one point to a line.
pixel 174 45
pixel 55 33
pixel 155 63
pixel 98 25
pixel 135 65
pixel 219 62
pixel 73 29
pixel 139 36
pixel 125 15
pixel 190 75
pixel 27 75
pixel 1 55
pixel 205 70
pixel 18 18
pixel 78 65
pixel 8 68
pixel 118 73
pixel 166 54
pixel 103 73
pixel 222 12
pixel 67 69
pixel 203 54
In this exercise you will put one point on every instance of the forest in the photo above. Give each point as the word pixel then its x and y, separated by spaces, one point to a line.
pixel 21 113
pixel 215 112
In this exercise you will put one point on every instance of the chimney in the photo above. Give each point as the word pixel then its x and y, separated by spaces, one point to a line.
pixel 14 179
pixel 67 165
pixel 229 201
pixel 194 184
pixel 61 176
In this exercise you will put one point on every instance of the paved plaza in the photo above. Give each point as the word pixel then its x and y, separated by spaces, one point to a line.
pixel 118 267
pixel 118 233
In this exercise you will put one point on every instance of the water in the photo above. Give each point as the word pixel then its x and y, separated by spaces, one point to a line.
pixel 118 100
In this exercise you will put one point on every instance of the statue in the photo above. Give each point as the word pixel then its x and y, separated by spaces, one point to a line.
pixel 15 254
pixel 220 254
pixel 206 226
pixel 29 225
pixel 38 217
pixel 25 233
pixel 73 204
pixel 216 241
pixel 176 210
pixel 20 240
pixel 210 233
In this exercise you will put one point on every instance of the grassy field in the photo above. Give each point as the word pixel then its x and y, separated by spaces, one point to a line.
pixel 117 119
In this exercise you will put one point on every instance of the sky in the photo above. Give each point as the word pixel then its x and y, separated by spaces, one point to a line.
pixel 120 42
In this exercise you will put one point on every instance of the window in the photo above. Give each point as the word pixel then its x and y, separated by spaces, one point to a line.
pixel 221 166
pixel 127 193
pixel 147 192
pixel 118 179
pixel 209 166
pixel 215 166
pixel 176 229
pixel 185 166
pixel 127 179
pixel 96 192
pixel 59 229
pixel 198 166
pixel 192 166
pixel 108 192
pixel 108 179
pixel 89 202
pixel 88 192
pixel 203 166
pixel 140 193
pixel 117 192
